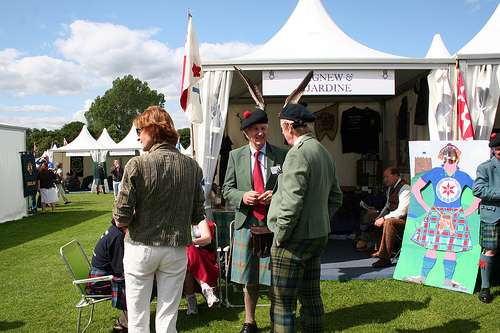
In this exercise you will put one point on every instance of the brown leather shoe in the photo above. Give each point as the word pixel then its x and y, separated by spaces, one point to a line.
pixel 375 255
pixel 381 263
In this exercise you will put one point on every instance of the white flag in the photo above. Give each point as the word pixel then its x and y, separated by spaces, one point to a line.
pixel 192 72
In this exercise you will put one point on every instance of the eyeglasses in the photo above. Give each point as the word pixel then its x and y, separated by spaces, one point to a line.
pixel 138 130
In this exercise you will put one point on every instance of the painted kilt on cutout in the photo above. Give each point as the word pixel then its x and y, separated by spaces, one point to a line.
pixel 445 227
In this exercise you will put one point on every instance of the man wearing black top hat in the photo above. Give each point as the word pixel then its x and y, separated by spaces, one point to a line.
pixel 486 187
pixel 250 178
pixel 306 198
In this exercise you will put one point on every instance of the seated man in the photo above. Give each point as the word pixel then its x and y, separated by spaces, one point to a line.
pixel 392 218
pixel 107 259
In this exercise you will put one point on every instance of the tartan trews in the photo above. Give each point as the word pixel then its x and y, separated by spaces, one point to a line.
pixel 296 270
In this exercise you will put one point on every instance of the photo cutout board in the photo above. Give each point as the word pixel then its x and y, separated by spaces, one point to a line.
pixel 441 239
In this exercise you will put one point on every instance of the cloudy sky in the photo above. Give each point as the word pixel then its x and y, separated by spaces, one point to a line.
pixel 57 56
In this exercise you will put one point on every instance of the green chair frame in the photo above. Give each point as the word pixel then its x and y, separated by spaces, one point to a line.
pixel 79 266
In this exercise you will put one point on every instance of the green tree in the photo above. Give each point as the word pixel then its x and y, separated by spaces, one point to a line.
pixel 115 134
pixel 70 131
pixel 185 137
pixel 121 104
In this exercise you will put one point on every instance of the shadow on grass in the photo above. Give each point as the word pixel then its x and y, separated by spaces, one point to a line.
pixel 15 233
pixel 455 325
pixel 10 325
pixel 369 313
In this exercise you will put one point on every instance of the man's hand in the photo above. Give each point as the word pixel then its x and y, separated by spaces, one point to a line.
pixel 266 197
pixel 379 222
pixel 251 198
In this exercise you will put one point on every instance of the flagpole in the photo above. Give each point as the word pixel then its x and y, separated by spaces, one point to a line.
pixel 191 132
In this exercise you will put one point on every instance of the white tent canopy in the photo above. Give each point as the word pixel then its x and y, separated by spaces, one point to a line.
pixel 129 145
pixel 85 145
pixel 310 33
pixel 438 49
pixel 106 140
pixel 487 41
pixel 480 60
pixel 14 204
pixel 309 40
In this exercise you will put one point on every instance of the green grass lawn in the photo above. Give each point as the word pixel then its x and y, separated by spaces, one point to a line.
pixel 37 294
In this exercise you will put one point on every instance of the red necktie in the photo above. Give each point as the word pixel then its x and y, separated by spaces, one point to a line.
pixel 259 210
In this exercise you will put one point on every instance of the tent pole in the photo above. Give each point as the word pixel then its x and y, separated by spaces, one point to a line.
pixel 191 136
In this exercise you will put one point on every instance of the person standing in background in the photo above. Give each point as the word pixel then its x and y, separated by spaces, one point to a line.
pixel 59 181
pixel 99 178
pixel 117 172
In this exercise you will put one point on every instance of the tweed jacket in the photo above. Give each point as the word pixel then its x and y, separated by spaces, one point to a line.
pixel 487 187
pixel 308 193
pixel 238 179
pixel 164 188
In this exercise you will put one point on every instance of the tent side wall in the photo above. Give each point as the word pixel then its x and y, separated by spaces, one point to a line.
pixel 14 204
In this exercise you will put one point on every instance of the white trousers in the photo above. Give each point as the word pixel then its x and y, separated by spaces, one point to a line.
pixel 61 193
pixel 140 264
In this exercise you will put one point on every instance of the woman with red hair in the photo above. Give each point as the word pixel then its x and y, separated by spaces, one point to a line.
pixel 46 187
pixel 161 197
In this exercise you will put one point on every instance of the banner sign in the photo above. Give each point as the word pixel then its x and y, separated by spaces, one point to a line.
pixel 330 82
pixel 29 173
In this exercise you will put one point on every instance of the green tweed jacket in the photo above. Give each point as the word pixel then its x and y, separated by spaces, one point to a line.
pixel 308 193
pixel 164 188
pixel 239 177
pixel 487 187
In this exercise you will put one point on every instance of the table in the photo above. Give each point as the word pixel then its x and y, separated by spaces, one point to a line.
pixel 223 218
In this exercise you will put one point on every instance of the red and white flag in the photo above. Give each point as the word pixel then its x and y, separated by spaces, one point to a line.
pixel 65 142
pixel 464 120
pixel 192 72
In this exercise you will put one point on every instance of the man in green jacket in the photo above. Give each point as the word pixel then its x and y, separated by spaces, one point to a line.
pixel 307 196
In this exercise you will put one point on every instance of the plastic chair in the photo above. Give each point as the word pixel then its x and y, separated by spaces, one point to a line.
pixel 79 266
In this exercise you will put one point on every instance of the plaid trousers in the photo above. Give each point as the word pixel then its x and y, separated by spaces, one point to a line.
pixel 391 228
pixel 296 271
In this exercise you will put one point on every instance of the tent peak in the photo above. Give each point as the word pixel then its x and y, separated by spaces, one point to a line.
pixel 310 33
pixel 438 49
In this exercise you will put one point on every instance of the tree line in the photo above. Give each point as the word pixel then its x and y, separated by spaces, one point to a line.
pixel 115 111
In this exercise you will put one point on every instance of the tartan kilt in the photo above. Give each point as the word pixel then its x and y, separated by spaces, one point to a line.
pixel 246 267
pixel 115 289
pixel 429 236
pixel 489 235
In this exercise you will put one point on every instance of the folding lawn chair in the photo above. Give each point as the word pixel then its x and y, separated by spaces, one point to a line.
pixel 79 266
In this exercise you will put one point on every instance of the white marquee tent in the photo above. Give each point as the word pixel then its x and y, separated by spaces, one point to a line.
pixel 14 204
pixel 309 40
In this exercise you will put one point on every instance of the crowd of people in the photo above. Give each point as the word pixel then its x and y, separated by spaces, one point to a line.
pixel 159 238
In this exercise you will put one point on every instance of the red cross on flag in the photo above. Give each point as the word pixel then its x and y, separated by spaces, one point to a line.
pixel 464 120
pixel 192 73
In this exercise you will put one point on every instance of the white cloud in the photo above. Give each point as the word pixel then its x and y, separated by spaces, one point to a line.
pixel 31 108
pixel 23 75
pixel 112 51
pixel 95 54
